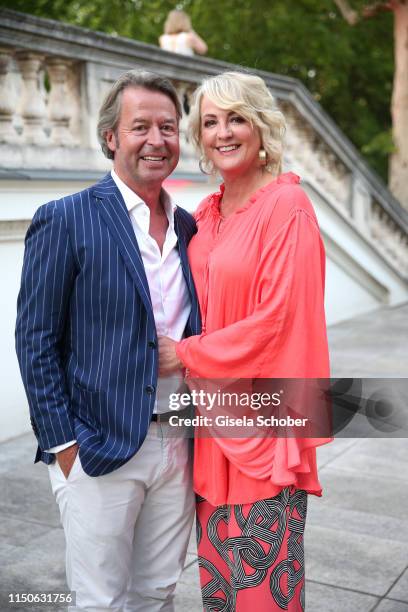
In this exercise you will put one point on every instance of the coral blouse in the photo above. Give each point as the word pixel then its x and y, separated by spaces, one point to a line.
pixel 259 276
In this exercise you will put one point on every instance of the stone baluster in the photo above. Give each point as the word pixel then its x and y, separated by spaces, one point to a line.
pixel 184 91
pixel 293 144
pixel 289 148
pixel 324 166
pixel 329 162
pixel 344 185
pixel 307 151
pixel 7 99
pixel 403 252
pixel 313 161
pixel 33 109
pixel 59 103
pixel 361 206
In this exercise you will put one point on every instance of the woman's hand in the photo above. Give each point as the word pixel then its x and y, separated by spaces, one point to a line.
pixel 168 360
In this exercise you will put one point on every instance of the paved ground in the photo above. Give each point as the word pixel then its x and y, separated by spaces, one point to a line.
pixel 356 536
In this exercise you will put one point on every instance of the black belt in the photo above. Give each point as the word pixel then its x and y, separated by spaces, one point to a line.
pixel 165 416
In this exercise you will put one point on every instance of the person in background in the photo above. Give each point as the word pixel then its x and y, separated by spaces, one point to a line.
pixel 179 35
pixel 258 263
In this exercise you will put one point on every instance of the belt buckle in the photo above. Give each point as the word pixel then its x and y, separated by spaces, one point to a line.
pixel 161 418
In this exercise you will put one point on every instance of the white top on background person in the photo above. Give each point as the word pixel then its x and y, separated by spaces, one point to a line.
pixel 179 35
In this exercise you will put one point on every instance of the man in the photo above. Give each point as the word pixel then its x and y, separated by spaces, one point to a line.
pixel 105 273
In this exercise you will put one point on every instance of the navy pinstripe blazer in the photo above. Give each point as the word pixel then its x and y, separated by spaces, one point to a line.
pixel 86 338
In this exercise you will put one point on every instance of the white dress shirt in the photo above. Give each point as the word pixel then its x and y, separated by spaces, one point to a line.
pixel 168 289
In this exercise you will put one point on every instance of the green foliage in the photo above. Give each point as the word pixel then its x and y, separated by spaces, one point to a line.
pixel 349 70
pixel 381 143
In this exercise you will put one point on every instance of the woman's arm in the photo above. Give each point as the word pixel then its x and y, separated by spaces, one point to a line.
pixel 285 336
pixel 197 43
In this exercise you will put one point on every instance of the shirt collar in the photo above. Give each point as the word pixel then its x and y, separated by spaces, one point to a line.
pixel 133 201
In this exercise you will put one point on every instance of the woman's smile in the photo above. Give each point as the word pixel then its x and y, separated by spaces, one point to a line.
pixel 227 149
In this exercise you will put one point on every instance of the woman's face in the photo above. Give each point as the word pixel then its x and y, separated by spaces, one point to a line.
pixel 229 140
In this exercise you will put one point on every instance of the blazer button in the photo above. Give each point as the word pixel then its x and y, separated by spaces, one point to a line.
pixel 152 344
pixel 149 389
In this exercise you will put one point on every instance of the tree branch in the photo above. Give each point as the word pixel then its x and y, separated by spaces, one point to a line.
pixel 370 10
pixel 378 7
pixel 349 14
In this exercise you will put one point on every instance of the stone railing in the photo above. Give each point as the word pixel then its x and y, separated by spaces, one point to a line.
pixel 53 77
pixel 32 114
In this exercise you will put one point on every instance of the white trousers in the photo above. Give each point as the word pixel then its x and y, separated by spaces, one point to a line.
pixel 127 532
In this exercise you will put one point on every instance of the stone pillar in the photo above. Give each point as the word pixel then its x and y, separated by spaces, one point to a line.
pixel 7 99
pixel 33 108
pixel 59 102
pixel 361 204
pixel 184 92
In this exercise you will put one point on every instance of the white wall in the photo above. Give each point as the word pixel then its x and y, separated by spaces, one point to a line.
pixel 345 298
pixel 14 417
pixel 358 279
pixel 19 200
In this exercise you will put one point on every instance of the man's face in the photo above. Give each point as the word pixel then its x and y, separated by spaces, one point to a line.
pixel 146 142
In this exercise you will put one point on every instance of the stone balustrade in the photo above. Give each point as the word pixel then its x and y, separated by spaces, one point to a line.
pixel 37 104
pixel 53 77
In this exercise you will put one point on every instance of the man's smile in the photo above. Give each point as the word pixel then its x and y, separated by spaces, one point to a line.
pixel 153 158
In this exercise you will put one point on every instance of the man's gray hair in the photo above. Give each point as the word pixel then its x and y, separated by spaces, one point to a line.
pixel 109 113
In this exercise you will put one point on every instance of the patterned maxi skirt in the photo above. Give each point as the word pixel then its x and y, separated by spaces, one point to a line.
pixel 251 556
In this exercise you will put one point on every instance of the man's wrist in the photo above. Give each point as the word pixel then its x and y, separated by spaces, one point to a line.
pixel 60 447
pixel 70 450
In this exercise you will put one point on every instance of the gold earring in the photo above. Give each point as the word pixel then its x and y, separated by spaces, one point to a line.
pixel 262 157
pixel 202 168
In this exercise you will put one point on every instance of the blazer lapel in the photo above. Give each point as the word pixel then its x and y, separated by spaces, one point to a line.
pixel 183 256
pixel 112 208
pixel 194 324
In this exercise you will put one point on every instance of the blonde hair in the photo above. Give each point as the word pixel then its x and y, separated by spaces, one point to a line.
pixel 248 96
pixel 176 22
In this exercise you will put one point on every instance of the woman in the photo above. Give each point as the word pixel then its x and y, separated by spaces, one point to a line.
pixel 258 265
pixel 179 35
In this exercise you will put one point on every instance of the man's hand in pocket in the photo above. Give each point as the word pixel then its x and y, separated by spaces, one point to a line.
pixel 66 459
